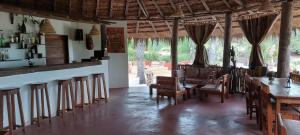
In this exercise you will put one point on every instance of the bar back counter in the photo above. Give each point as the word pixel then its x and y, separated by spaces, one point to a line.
pixel 22 77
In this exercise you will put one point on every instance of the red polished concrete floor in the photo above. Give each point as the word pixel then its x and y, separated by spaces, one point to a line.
pixel 133 112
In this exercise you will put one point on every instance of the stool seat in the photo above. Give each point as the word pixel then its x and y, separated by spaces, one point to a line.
pixel 10 94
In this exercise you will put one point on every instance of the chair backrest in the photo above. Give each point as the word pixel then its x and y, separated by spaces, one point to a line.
pixel 179 74
pixel 295 77
pixel 226 83
pixel 248 85
pixel 281 129
pixel 266 110
pixel 167 83
pixel 260 71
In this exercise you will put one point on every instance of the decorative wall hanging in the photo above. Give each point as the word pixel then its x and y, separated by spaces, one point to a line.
pixel 115 40
pixel 78 35
pixel 89 42
pixel 46 27
pixel 94 31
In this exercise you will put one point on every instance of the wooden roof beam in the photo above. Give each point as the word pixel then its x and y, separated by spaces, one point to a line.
pixel 214 17
pixel 158 9
pixel 153 27
pixel 172 4
pixel 169 27
pixel 125 8
pixel 227 4
pixel 110 8
pixel 189 7
pixel 142 7
pixel 70 6
pixel 97 8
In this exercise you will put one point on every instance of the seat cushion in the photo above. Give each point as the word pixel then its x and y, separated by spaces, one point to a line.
pixel 211 87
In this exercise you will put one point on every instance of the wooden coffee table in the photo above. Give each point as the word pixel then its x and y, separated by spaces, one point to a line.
pixel 188 87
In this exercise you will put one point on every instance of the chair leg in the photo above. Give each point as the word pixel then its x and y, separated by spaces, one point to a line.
pixel 13 111
pixel 251 111
pixel 72 96
pixel 76 90
pixel 247 106
pixel 88 91
pixel 21 110
pixel 42 103
pixel 1 112
pixel 222 98
pixel 82 93
pixel 67 95
pixel 99 89
pixel 157 99
pixel 63 108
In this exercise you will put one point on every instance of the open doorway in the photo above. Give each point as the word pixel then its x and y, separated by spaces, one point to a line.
pixel 149 58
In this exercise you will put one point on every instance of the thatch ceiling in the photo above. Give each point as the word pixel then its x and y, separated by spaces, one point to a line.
pixel 148 18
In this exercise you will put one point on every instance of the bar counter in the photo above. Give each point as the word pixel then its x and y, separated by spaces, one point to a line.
pixel 32 69
pixel 22 77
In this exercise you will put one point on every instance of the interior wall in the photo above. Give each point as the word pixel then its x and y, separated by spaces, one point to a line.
pixel 118 65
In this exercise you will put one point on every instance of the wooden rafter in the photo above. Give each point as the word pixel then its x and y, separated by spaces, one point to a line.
pixel 142 7
pixel 153 27
pixel 214 17
pixel 110 9
pixel 82 7
pixel 97 8
pixel 189 7
pixel 169 27
pixel 125 8
pixel 158 9
pixel 227 4
pixel 172 4
pixel 137 22
pixel 70 7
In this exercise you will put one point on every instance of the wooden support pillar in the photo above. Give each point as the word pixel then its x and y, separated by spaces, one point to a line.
pixel 174 46
pixel 227 41
pixel 103 37
pixel 283 67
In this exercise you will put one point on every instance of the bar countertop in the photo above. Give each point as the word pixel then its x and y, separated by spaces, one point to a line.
pixel 33 69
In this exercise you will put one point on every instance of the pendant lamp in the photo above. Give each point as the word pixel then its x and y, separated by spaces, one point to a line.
pixel 94 31
pixel 46 27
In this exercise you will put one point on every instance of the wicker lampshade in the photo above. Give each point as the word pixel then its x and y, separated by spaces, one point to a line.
pixel 94 31
pixel 47 27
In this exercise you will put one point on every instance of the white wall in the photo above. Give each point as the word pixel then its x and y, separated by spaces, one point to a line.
pixel 118 65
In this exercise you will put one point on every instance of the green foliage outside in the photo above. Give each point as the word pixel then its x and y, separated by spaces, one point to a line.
pixel 159 50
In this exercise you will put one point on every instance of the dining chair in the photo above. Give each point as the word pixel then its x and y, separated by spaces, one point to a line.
pixel 281 129
pixel 250 98
pixel 266 117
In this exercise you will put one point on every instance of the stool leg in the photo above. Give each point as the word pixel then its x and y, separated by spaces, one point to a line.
pixel 67 95
pixel 9 111
pixel 72 96
pixel 82 93
pixel 88 91
pixel 76 90
pixel 104 86
pixel 58 99
pixel 21 110
pixel 42 103
pixel 48 102
pixel 1 112
pixel 13 110
pixel 99 89
pixel 63 100
pixel 32 105
pixel 94 89
pixel 37 106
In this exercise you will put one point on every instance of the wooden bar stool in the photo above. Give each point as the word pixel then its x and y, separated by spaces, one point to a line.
pixel 80 81
pixel 43 88
pixel 96 79
pixel 65 96
pixel 10 93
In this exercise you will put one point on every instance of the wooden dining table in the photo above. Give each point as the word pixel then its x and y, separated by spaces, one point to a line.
pixel 281 93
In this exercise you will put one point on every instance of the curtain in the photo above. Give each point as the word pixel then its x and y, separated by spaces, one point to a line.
pixel 255 31
pixel 200 34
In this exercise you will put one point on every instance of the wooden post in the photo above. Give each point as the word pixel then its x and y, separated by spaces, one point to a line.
pixel 283 67
pixel 103 37
pixel 227 41
pixel 174 46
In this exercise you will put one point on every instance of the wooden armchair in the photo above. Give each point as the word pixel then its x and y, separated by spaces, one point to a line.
pixel 169 86
pixel 219 87
pixel 251 107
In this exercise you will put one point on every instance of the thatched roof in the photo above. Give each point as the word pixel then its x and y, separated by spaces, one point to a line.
pixel 150 18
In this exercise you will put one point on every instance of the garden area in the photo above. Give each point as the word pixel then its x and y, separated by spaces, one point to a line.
pixel 156 56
